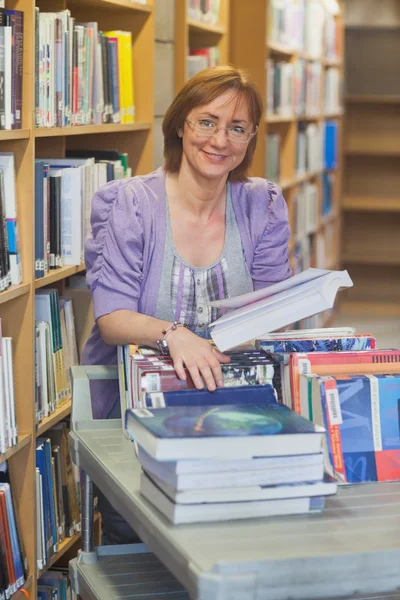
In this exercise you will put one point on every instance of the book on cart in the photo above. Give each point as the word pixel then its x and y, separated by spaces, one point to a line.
pixel 256 313
pixel 229 431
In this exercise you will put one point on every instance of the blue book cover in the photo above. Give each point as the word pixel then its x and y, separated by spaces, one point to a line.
pixel 331 131
pixel 40 463
pixel 221 396
pixel 318 345
pixel 222 421
pixel 362 415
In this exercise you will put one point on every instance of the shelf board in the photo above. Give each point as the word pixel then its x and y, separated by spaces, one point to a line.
pixel 281 118
pixel 14 291
pixel 200 27
pixel 15 134
pixel 371 204
pixel 23 440
pixel 372 151
pixel 55 417
pixel 363 259
pixel 63 547
pixel 310 57
pixel 44 132
pixel 114 5
pixel 334 115
pixel 57 275
pixel 288 183
pixel 368 99
pixel 387 309
pixel 332 63
pixel 277 48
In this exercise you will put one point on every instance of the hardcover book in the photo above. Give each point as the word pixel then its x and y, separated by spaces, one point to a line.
pixel 230 431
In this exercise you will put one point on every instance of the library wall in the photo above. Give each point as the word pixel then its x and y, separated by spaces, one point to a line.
pixel 164 58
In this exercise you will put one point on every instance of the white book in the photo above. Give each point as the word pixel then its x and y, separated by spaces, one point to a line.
pixel 7 164
pixel 224 511
pixel 43 370
pixel 248 493
pixel 237 474
pixel 40 536
pixel 71 210
pixel 7 76
pixel 274 307
pixel 9 386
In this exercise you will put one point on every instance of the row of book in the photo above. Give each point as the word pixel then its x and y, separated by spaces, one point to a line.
pixel 11 68
pixel 295 89
pixel 58 513
pixel 204 10
pixel 13 563
pixel 8 418
pixel 55 584
pixel 316 149
pixel 83 76
pixel 64 189
pixel 306 26
pixel 55 351
pixel 202 58
pixel 315 250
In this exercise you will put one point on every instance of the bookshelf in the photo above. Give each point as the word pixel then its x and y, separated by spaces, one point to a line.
pixel 192 34
pixel 371 205
pixel 28 143
pixel 251 46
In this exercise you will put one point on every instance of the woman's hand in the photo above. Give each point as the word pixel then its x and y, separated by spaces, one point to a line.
pixel 202 360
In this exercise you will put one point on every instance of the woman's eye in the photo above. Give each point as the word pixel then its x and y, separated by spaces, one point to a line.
pixel 238 129
pixel 206 123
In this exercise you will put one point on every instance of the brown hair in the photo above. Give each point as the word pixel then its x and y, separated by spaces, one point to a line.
pixel 201 89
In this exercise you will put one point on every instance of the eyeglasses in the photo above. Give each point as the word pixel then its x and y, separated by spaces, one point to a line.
pixel 207 129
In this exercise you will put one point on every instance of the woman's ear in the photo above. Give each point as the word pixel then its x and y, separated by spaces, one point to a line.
pixel 180 132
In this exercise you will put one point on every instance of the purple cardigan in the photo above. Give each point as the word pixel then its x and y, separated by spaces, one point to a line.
pixel 124 251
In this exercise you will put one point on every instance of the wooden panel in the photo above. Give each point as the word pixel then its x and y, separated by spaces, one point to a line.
pixel 373 130
pixel 181 44
pixel 370 13
pixel 372 238
pixel 248 50
pixel 371 203
pixel 372 176
pixel 371 62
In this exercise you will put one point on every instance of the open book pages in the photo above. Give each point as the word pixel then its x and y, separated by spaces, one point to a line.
pixel 269 309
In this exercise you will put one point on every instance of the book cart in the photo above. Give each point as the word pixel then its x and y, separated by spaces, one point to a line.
pixel 351 550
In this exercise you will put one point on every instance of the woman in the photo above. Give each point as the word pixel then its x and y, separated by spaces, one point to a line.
pixel 164 244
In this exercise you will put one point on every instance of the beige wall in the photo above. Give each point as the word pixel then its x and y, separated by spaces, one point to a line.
pixel 379 13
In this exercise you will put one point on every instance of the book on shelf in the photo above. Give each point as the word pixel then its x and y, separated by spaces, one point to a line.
pixel 230 431
pixel 56 583
pixel 55 351
pixel 58 515
pixel 202 58
pixel 224 511
pixel 9 240
pixel 11 68
pixel 85 77
pixel 331 144
pixel 204 10
pixel 13 562
pixel 316 344
pixel 273 157
pixel 8 421
pixel 269 309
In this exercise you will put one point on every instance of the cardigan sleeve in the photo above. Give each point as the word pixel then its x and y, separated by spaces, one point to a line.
pixel 114 249
pixel 271 254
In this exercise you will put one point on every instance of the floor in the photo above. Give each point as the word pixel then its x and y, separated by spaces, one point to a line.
pixel 386 330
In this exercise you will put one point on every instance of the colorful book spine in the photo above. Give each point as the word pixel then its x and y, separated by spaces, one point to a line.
pixel 319 345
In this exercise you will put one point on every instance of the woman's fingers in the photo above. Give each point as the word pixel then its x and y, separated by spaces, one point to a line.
pixel 223 358
pixel 179 368
pixel 195 375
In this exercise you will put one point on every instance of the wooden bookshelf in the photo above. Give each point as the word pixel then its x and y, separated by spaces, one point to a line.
pixel 250 47
pixel 194 34
pixel 371 204
pixel 17 304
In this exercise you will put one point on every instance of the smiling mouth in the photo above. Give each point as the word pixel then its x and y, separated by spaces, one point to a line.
pixel 216 156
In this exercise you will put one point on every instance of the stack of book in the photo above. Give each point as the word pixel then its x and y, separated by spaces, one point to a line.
pixel 11 68
pixel 56 584
pixel 222 462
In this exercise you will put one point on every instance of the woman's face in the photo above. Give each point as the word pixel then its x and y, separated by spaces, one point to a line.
pixel 214 157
